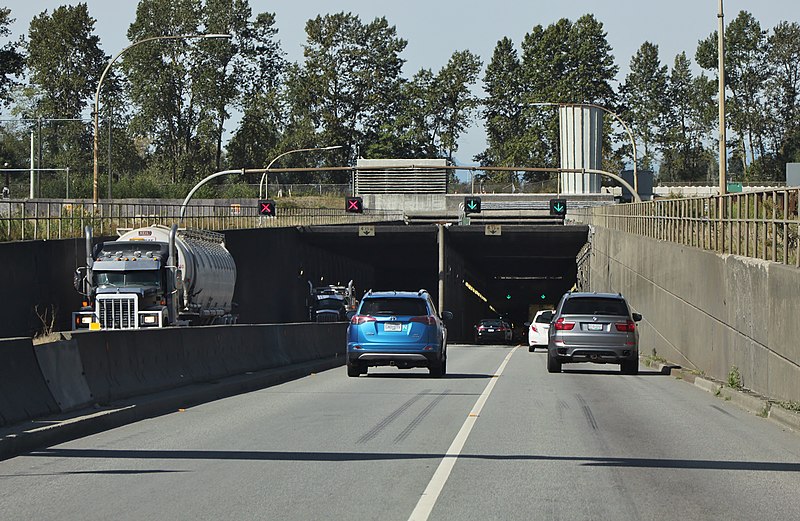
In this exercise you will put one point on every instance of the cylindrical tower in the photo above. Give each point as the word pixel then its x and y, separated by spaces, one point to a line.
pixel 581 133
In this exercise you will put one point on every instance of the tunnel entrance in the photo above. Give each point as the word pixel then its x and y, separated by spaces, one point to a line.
pixel 511 274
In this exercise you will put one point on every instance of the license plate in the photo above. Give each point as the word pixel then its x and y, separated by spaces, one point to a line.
pixel 389 326
pixel 490 330
pixel 594 327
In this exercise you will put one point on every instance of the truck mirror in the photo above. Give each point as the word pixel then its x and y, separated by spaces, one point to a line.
pixel 77 279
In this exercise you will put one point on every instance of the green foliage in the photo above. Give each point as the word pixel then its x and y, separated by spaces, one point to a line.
pixel 565 62
pixel 644 98
pixel 64 60
pixel 735 378
pixel 11 60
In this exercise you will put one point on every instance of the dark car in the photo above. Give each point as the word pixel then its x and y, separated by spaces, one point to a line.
pixel 399 328
pixel 594 327
pixel 493 331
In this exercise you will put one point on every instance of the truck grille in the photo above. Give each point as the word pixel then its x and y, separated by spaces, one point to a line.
pixel 117 311
pixel 328 317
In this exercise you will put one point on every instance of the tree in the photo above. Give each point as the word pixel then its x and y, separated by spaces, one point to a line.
pixel 745 76
pixel 783 89
pixel 502 111
pixel 64 62
pixel 454 103
pixel 687 125
pixel 351 71
pixel 563 63
pixel 643 97
pixel 12 61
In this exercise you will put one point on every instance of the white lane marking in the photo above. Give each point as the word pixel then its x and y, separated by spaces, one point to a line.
pixel 428 500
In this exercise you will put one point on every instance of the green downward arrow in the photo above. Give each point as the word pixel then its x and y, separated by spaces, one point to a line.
pixel 558 208
pixel 472 205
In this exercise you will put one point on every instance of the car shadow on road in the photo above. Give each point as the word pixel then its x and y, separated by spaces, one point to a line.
pixel 567 370
pixel 423 376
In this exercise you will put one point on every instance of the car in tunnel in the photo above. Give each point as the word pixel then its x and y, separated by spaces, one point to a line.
pixel 594 327
pixel 397 328
pixel 538 329
pixel 492 330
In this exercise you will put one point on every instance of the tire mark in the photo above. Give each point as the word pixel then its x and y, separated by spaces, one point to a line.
pixel 421 416
pixel 587 412
pixel 392 417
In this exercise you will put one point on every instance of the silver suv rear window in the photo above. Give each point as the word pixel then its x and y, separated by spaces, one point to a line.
pixel 594 306
pixel 394 306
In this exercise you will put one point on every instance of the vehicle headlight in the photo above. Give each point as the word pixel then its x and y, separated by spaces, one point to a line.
pixel 86 320
pixel 149 319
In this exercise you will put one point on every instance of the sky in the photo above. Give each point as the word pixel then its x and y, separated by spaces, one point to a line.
pixel 435 29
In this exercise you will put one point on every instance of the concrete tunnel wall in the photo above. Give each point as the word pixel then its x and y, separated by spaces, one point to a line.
pixel 707 311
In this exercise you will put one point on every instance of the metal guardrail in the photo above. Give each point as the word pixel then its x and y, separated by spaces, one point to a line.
pixel 763 225
pixel 36 220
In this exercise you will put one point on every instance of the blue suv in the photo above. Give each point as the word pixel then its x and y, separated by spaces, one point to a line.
pixel 399 328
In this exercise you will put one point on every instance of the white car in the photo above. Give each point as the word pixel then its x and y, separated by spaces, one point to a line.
pixel 538 329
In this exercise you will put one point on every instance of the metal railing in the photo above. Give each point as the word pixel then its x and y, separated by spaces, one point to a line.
pixel 763 225
pixel 36 220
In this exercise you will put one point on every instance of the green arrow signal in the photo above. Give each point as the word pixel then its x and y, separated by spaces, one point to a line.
pixel 472 205
pixel 558 208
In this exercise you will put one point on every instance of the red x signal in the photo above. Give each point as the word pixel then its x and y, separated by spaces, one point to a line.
pixel 354 205
pixel 266 207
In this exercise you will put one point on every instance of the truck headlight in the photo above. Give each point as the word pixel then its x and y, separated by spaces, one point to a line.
pixel 149 320
pixel 86 320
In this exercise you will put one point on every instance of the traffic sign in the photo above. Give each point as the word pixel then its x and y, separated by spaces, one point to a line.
pixel 472 205
pixel 493 230
pixel 354 205
pixel 558 207
pixel 266 207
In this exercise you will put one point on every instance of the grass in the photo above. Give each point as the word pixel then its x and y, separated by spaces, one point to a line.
pixel 735 378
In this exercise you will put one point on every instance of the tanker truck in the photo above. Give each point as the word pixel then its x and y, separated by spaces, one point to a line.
pixel 153 277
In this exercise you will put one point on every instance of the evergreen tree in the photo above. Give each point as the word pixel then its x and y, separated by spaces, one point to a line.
pixel 644 104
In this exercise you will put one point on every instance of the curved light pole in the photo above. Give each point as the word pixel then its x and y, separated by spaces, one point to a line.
pixel 621 122
pixel 103 76
pixel 243 171
pixel 265 181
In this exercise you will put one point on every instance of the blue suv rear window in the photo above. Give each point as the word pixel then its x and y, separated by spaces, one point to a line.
pixel 394 306
pixel 594 306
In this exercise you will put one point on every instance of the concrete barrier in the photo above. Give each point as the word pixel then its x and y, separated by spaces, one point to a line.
pixel 24 395
pixel 122 364
pixel 706 311
pixel 62 369
pixel 101 367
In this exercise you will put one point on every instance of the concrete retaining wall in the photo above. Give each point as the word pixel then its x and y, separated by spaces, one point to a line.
pixel 708 311
pixel 91 367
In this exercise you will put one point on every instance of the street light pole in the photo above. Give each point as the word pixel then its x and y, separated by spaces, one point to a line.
pixel 95 195
pixel 723 167
pixel 243 171
pixel 265 180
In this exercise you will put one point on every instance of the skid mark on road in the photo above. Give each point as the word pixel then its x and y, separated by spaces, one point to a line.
pixel 392 417
pixel 587 412
pixel 421 416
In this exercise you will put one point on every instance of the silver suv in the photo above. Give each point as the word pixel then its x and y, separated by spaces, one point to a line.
pixel 594 327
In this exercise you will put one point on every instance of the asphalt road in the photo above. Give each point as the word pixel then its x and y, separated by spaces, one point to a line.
pixel 585 444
